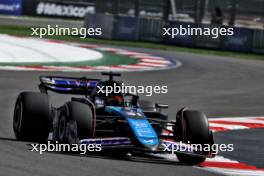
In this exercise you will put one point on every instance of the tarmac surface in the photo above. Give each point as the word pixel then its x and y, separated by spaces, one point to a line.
pixel 219 87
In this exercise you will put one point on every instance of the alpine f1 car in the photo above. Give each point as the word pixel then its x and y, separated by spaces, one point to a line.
pixel 117 121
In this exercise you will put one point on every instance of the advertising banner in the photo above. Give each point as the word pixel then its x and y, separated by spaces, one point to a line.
pixel 10 7
pixel 57 9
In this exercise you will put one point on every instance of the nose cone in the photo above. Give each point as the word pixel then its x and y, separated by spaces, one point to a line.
pixel 144 133
pixel 150 143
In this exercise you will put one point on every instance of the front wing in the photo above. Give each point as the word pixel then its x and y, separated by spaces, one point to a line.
pixel 165 146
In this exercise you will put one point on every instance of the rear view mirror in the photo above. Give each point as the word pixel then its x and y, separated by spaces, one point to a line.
pixel 157 105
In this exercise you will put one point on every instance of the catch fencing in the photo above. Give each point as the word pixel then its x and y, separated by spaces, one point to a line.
pixel 151 30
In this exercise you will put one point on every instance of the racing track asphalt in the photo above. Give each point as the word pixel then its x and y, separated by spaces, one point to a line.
pixel 218 86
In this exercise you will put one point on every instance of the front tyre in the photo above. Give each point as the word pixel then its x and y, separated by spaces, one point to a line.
pixel 193 127
pixel 31 121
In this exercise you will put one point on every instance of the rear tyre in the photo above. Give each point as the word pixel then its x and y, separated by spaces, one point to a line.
pixel 75 122
pixel 32 114
pixel 192 126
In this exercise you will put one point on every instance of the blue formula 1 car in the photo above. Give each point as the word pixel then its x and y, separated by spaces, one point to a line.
pixel 117 121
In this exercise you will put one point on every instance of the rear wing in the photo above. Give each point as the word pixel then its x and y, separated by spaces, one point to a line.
pixel 68 85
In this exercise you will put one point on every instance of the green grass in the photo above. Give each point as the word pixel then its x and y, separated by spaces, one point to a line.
pixel 26 31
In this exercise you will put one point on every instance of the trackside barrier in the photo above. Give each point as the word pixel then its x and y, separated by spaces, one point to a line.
pixel 240 41
pixel 209 41
pixel 182 40
pixel 106 22
pixel 151 29
pixel 258 41
pixel 126 28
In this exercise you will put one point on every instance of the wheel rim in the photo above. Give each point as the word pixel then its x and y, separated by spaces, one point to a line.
pixel 72 133
pixel 62 128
